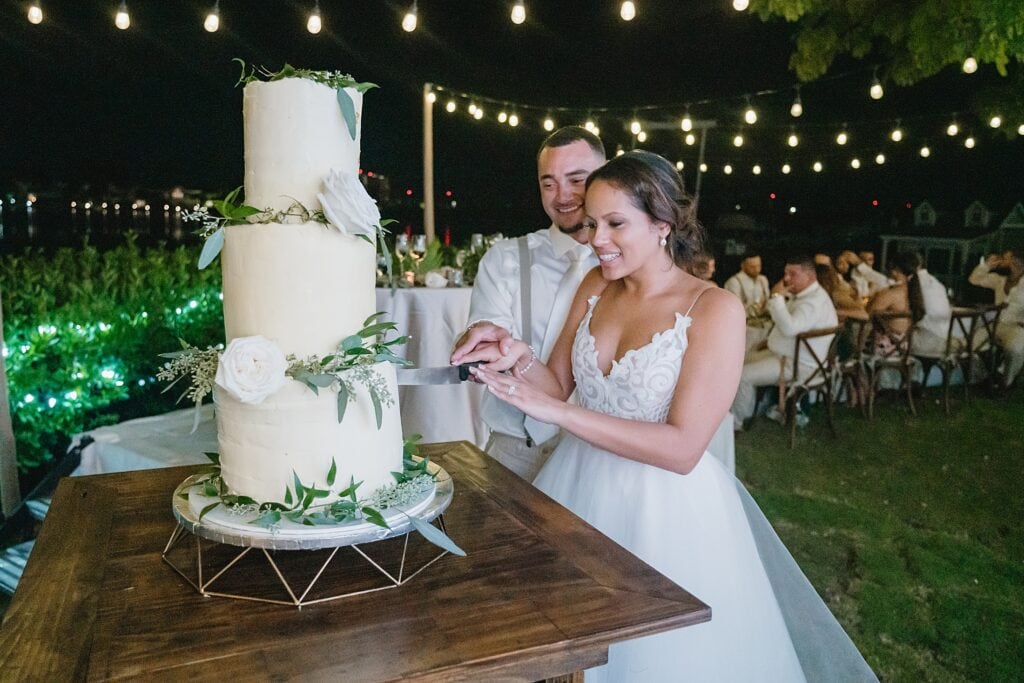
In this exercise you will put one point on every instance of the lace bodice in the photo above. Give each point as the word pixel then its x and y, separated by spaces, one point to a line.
pixel 641 384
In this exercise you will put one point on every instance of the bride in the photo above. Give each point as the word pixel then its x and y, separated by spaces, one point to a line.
pixel 633 461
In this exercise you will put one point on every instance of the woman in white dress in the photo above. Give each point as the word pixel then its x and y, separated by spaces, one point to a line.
pixel 633 461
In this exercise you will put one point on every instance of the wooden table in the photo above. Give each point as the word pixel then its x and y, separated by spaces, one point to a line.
pixel 540 595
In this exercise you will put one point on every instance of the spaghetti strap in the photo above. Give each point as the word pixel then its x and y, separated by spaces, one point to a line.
pixel 687 314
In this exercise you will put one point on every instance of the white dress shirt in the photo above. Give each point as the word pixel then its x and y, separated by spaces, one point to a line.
pixel 811 309
pixel 496 297
pixel 937 310
pixel 753 292
pixel 867 280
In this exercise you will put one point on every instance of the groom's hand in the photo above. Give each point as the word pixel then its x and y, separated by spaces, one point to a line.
pixel 471 345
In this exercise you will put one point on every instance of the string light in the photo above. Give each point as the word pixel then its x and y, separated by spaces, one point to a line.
pixel 549 123
pixel 737 141
pixel 786 168
pixel 1020 129
pixel 641 136
pixel 897 133
pixel 952 129
pixel 925 152
pixel 740 5
pixel 690 139
pixel 431 97
pixel 703 167
pixel 478 113
pixel 842 137
pixel 122 20
pixel 855 163
pixel 879 158
pixel 750 116
pixel 970 65
pixel 35 13
pixel 451 106
pixel 797 108
pixel 314 23
pixel 634 126
pixel 876 90
pixel 687 123
pixel 727 169
pixel 969 142
pixel 502 116
pixel 817 167
pixel 212 22
pixel 756 170
pixel 410 19
pixel 518 12
pixel 995 121
pixel 472 109
pixel 793 140
pixel 513 119
pixel 627 11
pixel 680 165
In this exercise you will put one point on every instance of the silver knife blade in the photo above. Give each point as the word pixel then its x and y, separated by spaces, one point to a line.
pixel 447 374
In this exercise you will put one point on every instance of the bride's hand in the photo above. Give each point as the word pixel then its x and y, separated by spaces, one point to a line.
pixel 518 353
pixel 520 394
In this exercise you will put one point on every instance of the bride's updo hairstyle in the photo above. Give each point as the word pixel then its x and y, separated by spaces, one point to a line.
pixel 655 187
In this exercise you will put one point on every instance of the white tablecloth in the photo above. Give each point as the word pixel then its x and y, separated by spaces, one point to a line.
pixel 432 318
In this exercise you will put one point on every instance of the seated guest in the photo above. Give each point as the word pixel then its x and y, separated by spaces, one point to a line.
pixel 844 298
pixel 1004 273
pixel 821 259
pixel 703 266
pixel 894 299
pixel 797 304
pixel 860 274
pixel 752 288
pixel 929 305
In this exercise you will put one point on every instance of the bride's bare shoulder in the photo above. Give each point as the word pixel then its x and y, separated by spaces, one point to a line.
pixel 713 303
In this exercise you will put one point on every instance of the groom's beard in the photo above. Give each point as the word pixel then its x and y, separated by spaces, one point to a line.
pixel 572 229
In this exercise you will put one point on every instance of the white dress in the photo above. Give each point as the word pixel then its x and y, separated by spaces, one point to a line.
pixel 694 529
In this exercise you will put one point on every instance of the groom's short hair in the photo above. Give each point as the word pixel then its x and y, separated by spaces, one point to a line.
pixel 566 135
pixel 805 261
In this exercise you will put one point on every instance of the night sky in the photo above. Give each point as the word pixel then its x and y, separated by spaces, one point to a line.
pixel 156 105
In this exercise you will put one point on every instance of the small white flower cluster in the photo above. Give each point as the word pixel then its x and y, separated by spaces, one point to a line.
pixel 198 364
pixel 240 510
pixel 401 494
pixel 372 380
pixel 210 224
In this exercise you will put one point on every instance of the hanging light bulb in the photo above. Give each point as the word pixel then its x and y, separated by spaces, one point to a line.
pixel 634 126
pixel 842 137
pixel 549 124
pixel 952 129
pixel 817 167
pixel 740 5
pixel 1020 129
pixel 855 162
pixel 757 169
pixel 970 65
pixel 687 123
pixel 502 116
pixel 212 22
pixel 969 142
pixel 876 90
pixel 727 169
pixel 879 158
pixel 703 167
pixel 122 20
pixel 995 121
pixel 450 107
pixel 513 119
pixel 690 139
pixel 786 168
pixel 410 19
pixel 793 140
pixel 680 165
pixel 797 108
pixel 35 13
pixel 897 133
pixel 641 136
pixel 619 151
pixel 314 23
pixel 431 97
pixel 478 114
pixel 750 116
pixel 472 109
pixel 590 125
pixel 738 140
pixel 627 11
pixel 925 152
pixel 518 12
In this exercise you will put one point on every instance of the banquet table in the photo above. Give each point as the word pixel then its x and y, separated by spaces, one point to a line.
pixel 540 595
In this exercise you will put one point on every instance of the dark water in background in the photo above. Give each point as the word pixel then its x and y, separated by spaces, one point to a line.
pixel 49 224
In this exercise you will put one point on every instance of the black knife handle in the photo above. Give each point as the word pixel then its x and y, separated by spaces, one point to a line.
pixel 464 369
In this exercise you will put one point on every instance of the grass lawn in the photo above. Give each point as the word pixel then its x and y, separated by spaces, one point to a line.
pixel 909 527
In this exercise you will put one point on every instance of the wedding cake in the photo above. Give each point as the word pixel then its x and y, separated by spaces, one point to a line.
pixel 297 288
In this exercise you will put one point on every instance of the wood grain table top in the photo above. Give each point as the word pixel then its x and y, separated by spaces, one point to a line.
pixel 540 594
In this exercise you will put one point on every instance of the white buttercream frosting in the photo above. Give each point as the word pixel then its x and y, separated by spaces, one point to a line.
pixel 294 135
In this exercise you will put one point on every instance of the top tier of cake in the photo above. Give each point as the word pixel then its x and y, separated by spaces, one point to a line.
pixel 294 135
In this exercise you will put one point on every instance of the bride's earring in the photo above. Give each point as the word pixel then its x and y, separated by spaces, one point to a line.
pixel 663 241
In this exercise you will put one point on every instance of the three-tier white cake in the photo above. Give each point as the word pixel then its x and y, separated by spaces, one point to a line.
pixel 305 286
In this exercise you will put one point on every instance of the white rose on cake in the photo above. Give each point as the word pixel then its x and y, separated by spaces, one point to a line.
pixel 347 205
pixel 251 369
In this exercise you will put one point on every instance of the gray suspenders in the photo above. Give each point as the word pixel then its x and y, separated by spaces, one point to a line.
pixel 525 297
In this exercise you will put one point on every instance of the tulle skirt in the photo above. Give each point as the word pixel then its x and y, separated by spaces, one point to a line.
pixel 703 531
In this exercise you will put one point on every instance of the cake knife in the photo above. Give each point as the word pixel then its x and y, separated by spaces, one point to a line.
pixel 446 374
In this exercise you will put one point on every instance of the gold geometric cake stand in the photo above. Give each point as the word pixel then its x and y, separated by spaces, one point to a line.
pixel 334 562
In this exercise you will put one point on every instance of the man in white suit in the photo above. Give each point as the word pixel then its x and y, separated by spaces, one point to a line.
pixel 797 304
pixel 751 287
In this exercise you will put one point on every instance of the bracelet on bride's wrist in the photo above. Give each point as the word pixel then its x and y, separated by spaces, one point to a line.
pixel 529 363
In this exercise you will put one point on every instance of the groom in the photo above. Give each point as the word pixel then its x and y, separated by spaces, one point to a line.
pixel 531 303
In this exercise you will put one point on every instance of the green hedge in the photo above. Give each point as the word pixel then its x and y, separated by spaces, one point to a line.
pixel 82 330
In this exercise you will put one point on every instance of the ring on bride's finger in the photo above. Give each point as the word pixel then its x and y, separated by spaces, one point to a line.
pixel 511 389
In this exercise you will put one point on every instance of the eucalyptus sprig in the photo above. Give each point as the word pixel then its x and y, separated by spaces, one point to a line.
pixel 352 364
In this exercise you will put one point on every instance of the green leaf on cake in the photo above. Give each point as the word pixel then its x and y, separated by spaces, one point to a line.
pixel 378 409
pixel 332 473
pixel 350 491
pixel 348 111
pixel 300 490
pixel 208 508
pixel 268 519
pixel 436 536
pixel 211 248
pixel 214 457
pixel 351 342
pixel 342 401
pixel 323 380
pixel 288 496
pixel 375 517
